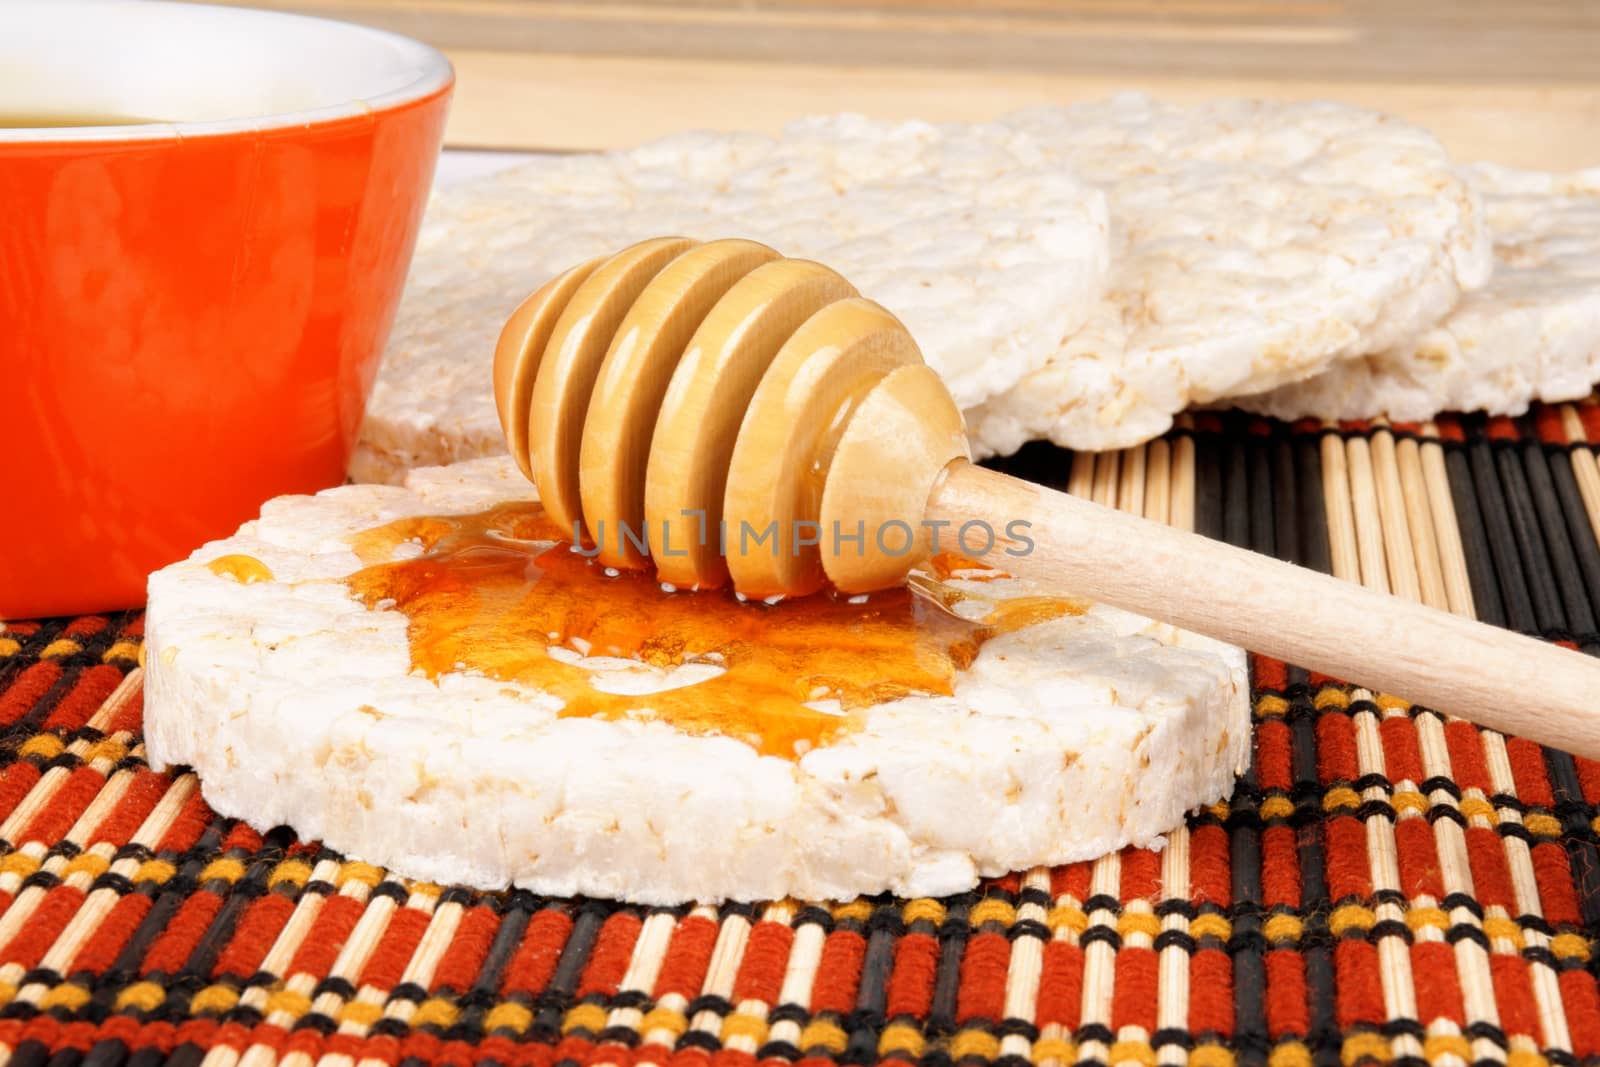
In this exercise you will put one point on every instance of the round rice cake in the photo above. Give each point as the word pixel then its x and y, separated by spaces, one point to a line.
pixel 989 253
pixel 297 703
pixel 1532 333
pixel 1254 243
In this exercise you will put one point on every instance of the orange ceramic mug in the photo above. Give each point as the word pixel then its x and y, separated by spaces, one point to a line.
pixel 191 308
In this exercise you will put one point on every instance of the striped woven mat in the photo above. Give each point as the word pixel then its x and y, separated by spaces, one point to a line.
pixel 1385 885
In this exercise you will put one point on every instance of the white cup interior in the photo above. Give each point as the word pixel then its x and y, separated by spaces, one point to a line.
pixel 203 69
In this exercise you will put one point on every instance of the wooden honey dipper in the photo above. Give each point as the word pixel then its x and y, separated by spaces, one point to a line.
pixel 677 389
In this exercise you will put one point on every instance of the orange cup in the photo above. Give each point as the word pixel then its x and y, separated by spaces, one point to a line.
pixel 191 308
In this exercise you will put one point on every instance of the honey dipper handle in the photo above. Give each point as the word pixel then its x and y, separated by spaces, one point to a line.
pixel 1451 664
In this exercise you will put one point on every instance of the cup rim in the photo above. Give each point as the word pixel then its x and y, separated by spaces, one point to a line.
pixel 435 76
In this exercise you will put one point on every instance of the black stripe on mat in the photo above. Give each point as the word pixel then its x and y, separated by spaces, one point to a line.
pixel 1493 513
pixel 1585 545
pixel 1532 552
pixel 1475 548
pixel 1560 557
pixel 1246 485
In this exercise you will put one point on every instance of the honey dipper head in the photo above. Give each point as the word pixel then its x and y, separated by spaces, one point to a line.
pixel 725 413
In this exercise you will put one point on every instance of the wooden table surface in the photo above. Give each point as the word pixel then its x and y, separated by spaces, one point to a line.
pixel 1518 83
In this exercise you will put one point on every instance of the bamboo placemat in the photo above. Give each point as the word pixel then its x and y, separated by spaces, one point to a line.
pixel 1386 885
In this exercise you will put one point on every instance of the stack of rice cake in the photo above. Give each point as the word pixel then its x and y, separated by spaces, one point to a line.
pixel 1228 252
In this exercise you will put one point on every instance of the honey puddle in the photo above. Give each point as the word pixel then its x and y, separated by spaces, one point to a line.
pixel 489 593
pixel 246 570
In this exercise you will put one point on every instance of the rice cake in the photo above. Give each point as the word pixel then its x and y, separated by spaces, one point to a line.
pixel 298 704
pixel 1254 243
pixel 988 252
pixel 1532 333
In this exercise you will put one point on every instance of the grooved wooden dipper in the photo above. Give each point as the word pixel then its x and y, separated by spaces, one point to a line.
pixel 728 414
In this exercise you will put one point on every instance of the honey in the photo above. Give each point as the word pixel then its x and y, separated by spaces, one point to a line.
pixel 490 593
pixel 246 570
